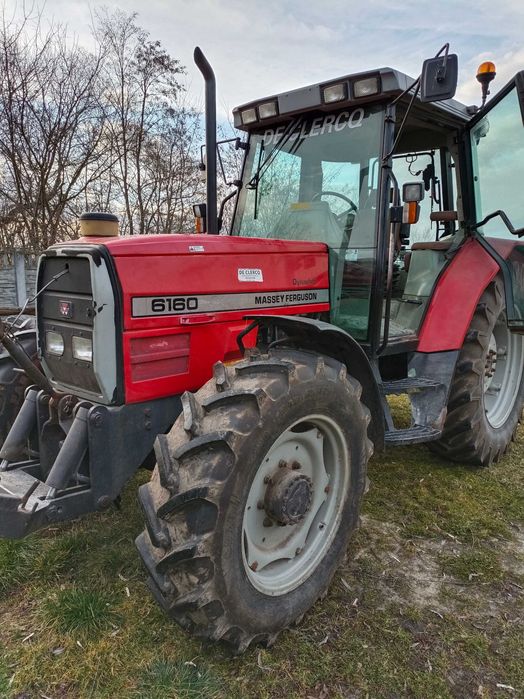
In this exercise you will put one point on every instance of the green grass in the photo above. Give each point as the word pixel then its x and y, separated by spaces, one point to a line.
pixel 164 679
pixel 429 603
pixel 74 610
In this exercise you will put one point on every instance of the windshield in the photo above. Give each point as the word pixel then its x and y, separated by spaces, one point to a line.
pixel 315 181
pixel 318 180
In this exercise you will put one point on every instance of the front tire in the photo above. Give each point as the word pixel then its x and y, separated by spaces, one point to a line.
pixel 487 392
pixel 255 496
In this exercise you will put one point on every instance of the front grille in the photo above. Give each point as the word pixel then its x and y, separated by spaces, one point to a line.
pixel 66 307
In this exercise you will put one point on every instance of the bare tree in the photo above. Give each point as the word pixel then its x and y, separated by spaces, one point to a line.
pixel 142 90
pixel 50 129
pixel 106 129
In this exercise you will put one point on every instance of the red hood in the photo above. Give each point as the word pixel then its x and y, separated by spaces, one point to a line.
pixel 187 244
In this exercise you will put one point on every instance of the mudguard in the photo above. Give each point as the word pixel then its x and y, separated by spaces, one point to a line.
pixel 455 297
pixel 308 333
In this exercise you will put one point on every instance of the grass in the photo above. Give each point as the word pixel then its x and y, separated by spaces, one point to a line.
pixel 429 603
pixel 164 679
pixel 74 610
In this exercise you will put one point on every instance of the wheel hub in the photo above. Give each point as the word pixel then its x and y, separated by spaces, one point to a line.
pixel 289 495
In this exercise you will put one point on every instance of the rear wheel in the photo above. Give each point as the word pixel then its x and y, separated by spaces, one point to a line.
pixel 487 393
pixel 256 493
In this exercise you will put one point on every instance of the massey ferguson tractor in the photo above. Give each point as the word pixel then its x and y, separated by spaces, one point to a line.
pixel 374 250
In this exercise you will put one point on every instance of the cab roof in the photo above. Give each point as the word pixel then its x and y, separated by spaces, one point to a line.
pixel 391 82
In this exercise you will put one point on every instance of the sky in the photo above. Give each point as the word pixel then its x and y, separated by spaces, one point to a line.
pixel 259 48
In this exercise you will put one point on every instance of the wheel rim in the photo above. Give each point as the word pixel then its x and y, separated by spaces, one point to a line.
pixel 310 461
pixel 503 372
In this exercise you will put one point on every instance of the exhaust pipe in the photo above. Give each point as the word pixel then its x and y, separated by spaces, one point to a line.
pixel 211 140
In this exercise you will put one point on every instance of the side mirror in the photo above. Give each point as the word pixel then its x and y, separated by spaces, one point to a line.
pixel 439 77
pixel 200 212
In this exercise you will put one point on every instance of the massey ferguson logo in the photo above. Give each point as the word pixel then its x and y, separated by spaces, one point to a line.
pixel 65 308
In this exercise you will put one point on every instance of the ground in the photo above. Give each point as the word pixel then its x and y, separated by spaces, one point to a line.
pixel 429 603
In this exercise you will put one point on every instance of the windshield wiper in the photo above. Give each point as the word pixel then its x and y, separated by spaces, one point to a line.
pixel 262 166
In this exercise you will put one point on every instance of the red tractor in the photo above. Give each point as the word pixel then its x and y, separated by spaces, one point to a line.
pixel 372 252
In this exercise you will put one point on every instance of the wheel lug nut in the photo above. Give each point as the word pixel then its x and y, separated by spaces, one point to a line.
pixel 260 505
pixel 282 463
pixel 267 480
pixel 295 466
pixel 298 551
pixel 268 522
pixel 327 488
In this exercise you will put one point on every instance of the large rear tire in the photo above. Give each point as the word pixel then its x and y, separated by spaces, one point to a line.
pixel 255 496
pixel 487 392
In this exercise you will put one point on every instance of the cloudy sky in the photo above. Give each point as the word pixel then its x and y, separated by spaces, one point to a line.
pixel 258 48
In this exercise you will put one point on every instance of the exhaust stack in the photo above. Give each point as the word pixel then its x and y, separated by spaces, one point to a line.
pixel 211 140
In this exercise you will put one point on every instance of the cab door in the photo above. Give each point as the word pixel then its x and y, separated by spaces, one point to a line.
pixel 494 144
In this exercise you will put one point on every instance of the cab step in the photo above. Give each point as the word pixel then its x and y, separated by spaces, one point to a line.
pixel 409 385
pixel 417 434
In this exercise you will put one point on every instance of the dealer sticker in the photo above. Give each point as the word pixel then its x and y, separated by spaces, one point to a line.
pixel 250 275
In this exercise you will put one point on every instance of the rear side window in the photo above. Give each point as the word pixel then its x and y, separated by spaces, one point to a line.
pixel 497 148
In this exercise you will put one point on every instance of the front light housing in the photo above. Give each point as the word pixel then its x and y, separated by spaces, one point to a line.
pixel 249 116
pixel 335 93
pixel 54 343
pixel 366 87
pixel 267 110
pixel 83 348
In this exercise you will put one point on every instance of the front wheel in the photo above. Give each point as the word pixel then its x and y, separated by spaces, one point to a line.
pixel 487 392
pixel 257 490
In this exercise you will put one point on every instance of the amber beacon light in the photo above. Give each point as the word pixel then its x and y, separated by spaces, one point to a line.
pixel 485 74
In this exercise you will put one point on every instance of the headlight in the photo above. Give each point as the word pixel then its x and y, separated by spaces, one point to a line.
pixel 366 87
pixel 267 110
pixel 249 116
pixel 335 93
pixel 54 343
pixel 83 348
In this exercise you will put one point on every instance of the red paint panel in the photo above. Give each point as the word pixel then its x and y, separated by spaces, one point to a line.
pixel 183 244
pixel 159 356
pixel 455 298
pixel 154 363
pixel 170 275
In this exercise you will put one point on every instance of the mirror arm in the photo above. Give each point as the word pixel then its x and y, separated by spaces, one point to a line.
pixel 224 201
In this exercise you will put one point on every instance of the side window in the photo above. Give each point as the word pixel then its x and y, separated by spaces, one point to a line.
pixel 497 148
pixel 418 167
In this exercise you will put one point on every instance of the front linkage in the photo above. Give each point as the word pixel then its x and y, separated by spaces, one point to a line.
pixel 65 457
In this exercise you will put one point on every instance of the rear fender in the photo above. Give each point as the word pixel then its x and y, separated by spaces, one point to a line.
pixel 455 298
pixel 308 333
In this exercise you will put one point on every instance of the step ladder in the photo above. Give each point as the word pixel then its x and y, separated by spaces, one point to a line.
pixel 417 388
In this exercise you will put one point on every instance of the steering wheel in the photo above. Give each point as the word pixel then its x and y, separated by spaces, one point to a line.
pixel 352 205
pixel 341 218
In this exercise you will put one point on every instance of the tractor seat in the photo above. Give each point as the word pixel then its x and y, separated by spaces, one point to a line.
pixel 438 245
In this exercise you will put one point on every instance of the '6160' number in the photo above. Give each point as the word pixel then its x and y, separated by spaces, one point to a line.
pixel 171 304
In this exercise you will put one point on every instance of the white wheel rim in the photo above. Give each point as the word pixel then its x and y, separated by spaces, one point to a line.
pixel 503 372
pixel 278 559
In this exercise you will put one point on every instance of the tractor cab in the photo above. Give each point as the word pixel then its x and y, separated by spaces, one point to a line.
pixel 313 171
pixel 334 162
